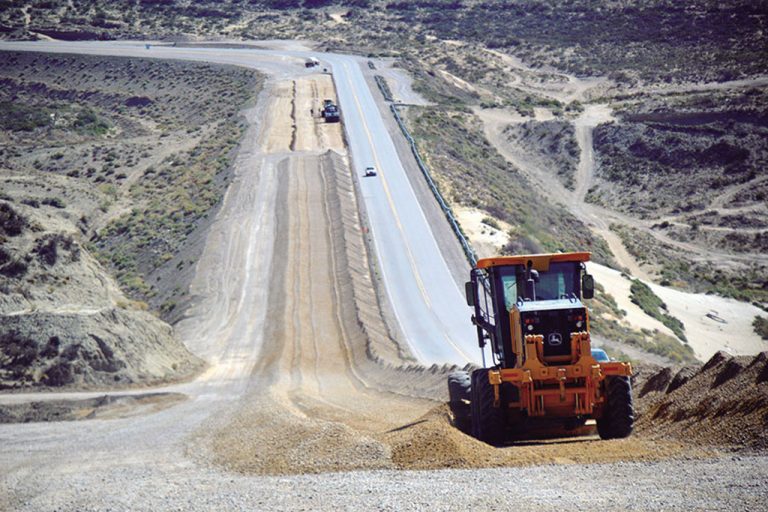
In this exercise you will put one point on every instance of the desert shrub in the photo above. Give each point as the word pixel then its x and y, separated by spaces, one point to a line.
pixel 47 248
pixel 651 304
pixel 51 349
pixel 490 221
pixel 89 122
pixel 10 266
pixel 138 101
pixel 760 325
pixel 12 223
pixel 14 269
pixel 58 374
pixel 54 201
pixel 17 353
pixel 24 118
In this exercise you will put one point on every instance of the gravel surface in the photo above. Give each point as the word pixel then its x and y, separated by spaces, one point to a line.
pixel 668 485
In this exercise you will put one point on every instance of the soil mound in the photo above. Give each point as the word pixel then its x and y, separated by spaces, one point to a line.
pixel 113 346
pixel 657 382
pixel 432 442
pixel 725 402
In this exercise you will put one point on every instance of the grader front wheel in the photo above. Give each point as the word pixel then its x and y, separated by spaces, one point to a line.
pixel 488 422
pixel 618 416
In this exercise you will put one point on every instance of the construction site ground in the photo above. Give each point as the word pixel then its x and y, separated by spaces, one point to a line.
pixel 308 400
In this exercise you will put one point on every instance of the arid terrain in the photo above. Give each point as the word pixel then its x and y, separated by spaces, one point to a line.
pixel 193 315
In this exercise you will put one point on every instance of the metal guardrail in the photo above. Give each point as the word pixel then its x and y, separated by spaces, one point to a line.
pixel 384 88
pixel 468 252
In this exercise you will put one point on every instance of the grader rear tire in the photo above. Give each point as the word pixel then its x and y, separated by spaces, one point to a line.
pixel 488 422
pixel 459 385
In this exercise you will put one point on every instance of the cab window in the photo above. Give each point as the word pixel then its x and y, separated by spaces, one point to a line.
pixel 509 282
pixel 559 282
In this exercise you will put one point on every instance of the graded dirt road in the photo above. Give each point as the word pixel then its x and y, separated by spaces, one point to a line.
pixel 304 377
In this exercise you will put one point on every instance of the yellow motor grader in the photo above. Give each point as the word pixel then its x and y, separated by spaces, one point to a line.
pixel 544 372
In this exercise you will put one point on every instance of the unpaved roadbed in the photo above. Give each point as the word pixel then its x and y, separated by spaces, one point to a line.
pixel 669 485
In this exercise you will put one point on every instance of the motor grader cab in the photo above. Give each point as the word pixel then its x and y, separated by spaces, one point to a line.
pixel 529 310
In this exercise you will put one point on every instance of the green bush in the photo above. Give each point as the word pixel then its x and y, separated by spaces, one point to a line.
pixel 47 248
pixel 642 295
pixel 17 117
pixel 88 121
pixel 761 326
pixel 490 221
pixel 12 223
pixel 54 201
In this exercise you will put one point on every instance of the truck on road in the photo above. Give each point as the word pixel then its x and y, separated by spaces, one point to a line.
pixel 330 112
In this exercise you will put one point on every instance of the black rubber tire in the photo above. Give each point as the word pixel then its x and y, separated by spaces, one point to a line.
pixel 618 417
pixel 488 422
pixel 459 385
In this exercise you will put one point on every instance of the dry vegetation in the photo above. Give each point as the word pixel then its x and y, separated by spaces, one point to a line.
pixel 675 267
pixel 649 157
pixel 637 40
pixel 149 140
pixel 607 321
pixel 472 173
pixel 552 143
pixel 121 161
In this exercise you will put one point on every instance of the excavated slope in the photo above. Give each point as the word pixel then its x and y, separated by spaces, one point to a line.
pixel 724 402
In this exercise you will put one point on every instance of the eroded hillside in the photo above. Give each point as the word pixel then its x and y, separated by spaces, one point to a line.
pixel 109 176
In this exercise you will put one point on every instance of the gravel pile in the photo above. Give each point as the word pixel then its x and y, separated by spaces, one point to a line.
pixel 724 402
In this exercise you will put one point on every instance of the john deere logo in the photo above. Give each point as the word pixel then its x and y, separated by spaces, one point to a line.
pixel 555 338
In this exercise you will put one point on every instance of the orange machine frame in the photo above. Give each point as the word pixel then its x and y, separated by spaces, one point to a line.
pixel 563 386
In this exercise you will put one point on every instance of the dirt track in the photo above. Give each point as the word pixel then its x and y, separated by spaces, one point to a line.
pixel 704 336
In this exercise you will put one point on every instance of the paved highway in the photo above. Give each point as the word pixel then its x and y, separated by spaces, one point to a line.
pixel 428 304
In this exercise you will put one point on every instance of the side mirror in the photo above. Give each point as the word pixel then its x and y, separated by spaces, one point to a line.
pixel 469 291
pixel 587 286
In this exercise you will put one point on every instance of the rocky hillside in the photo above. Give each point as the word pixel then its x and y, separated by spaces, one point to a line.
pixel 550 144
pixel 63 320
pixel 109 178
pixel 645 161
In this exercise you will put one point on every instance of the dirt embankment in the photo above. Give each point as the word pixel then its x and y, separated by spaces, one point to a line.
pixel 63 320
pixel 330 379
pixel 723 403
